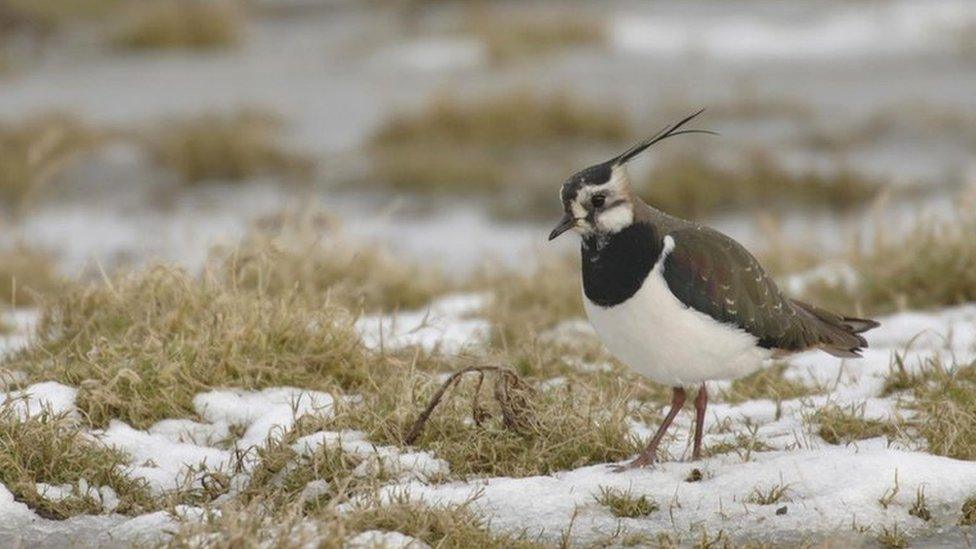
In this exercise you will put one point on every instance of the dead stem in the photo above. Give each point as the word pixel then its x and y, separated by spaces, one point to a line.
pixel 513 405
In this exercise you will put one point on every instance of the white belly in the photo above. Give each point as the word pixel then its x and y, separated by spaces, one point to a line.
pixel 662 339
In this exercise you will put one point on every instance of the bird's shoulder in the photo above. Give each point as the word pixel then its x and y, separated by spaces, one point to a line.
pixel 715 275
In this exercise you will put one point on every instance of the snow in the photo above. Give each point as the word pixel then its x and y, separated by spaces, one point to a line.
pixel 165 465
pixel 389 460
pixel 376 539
pixel 266 413
pixel 888 28
pixel 447 324
pixel 826 488
pixel 48 396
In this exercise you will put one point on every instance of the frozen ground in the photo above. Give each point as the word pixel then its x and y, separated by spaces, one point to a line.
pixel 830 490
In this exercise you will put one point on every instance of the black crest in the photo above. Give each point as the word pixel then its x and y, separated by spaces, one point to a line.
pixel 600 173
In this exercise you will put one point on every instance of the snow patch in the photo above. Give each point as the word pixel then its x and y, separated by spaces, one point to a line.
pixel 377 539
pixel 445 325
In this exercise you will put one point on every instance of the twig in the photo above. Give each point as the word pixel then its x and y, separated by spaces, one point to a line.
pixel 509 411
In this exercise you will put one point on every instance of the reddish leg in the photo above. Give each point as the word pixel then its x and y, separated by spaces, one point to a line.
pixel 701 402
pixel 647 456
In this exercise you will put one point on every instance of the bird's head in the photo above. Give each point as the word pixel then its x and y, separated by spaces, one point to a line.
pixel 599 199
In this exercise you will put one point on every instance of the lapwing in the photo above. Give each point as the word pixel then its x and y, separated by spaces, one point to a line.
pixel 679 302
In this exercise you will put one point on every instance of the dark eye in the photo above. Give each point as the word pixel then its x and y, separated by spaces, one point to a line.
pixel 597 200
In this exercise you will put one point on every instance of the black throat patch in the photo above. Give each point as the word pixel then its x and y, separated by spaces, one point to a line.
pixel 615 266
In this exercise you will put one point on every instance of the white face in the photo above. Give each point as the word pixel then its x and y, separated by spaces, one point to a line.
pixel 605 208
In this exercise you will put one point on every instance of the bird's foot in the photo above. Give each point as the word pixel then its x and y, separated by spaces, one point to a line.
pixel 642 460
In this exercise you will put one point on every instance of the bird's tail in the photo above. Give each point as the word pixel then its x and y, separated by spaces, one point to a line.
pixel 836 334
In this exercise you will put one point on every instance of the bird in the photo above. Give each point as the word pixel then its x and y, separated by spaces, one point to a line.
pixel 681 303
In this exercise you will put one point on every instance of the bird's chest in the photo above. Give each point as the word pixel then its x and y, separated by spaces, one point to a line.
pixel 615 267
pixel 650 330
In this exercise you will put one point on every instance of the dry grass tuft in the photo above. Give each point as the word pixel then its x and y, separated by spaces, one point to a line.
pixel 50 448
pixel 769 383
pixel 624 504
pixel 182 24
pixel 306 254
pixel 27 277
pixel 844 425
pixel 36 150
pixel 943 404
pixel 929 264
pixel 691 186
pixel 227 147
pixel 141 346
pixel 533 35
pixel 892 538
pixel 447 526
pixel 524 304
pixel 47 14
pixel 768 496
pixel 481 146
pixel 968 512
pixel 565 428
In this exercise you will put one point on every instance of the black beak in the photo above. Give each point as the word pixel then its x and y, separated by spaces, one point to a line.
pixel 565 224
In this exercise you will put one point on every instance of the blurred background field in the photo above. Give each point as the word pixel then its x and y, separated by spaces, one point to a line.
pixel 136 130
pixel 307 170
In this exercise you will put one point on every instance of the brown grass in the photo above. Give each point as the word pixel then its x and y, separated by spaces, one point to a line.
pixel 942 402
pixel 50 448
pixel 930 263
pixel 768 383
pixel 524 304
pixel 233 146
pixel 35 150
pixel 968 512
pixel 692 186
pixel 625 504
pixel 182 24
pixel 306 254
pixel 479 146
pixel 51 13
pixel 515 36
pixel 844 425
pixel 553 430
pixel 141 346
pixel 27 276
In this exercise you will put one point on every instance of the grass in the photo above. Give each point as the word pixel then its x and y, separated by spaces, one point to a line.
pixel 477 147
pixel 847 424
pixel 931 263
pixel 50 448
pixel 524 304
pixel 509 38
pixel 624 504
pixel 47 14
pixel 744 445
pixel 35 150
pixel 446 526
pixel 27 277
pixel 968 512
pixel 694 187
pixel 142 345
pixel 942 400
pixel 232 146
pixel 549 431
pixel 892 538
pixel 182 24
pixel 920 508
pixel 768 496
pixel 768 383
pixel 306 254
